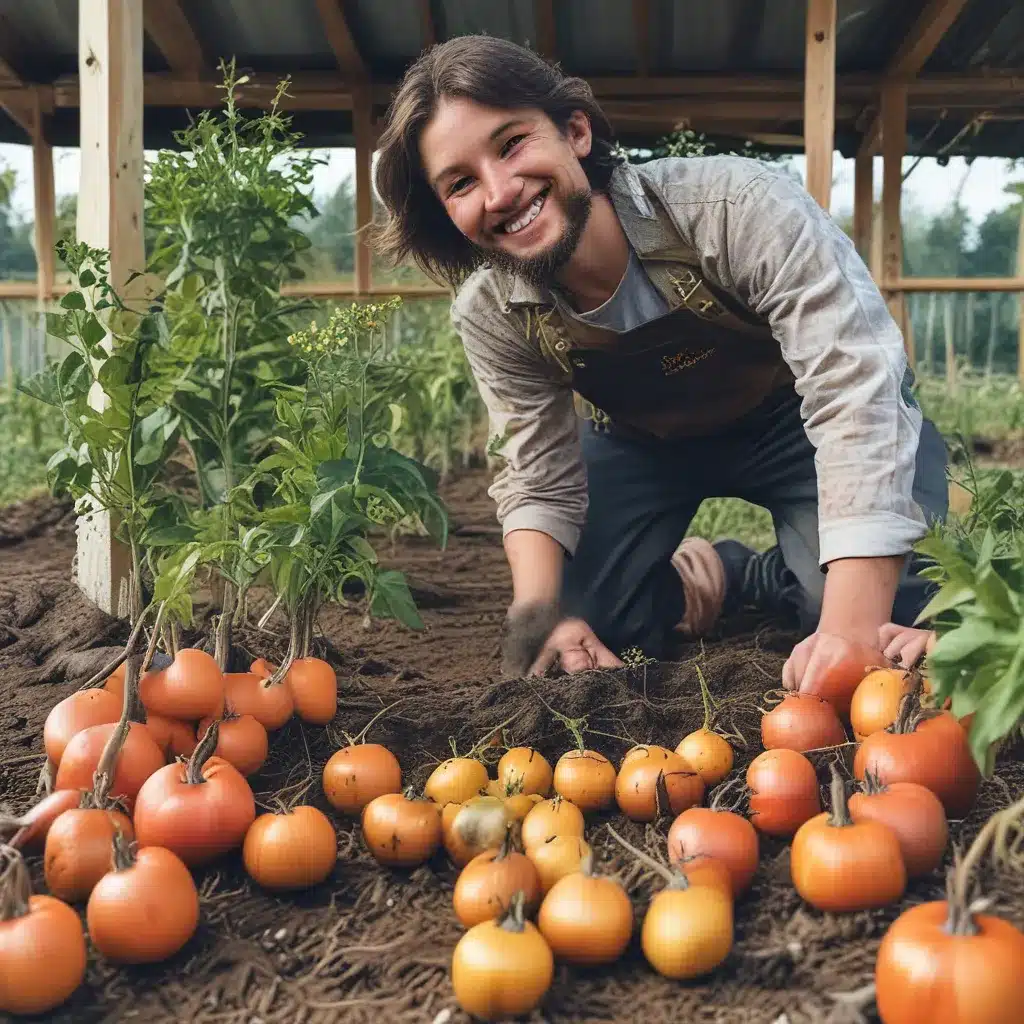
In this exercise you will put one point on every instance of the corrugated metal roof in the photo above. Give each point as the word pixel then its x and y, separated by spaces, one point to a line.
pixel 594 38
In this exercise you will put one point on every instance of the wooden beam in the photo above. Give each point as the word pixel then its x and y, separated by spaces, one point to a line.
pixel 362 123
pixel 110 70
pixel 920 42
pixel 863 205
pixel 642 36
pixel 958 284
pixel 428 23
pixel 545 29
pixel 913 53
pixel 16 102
pixel 820 98
pixel 169 28
pixel 894 144
pixel 680 108
pixel 343 43
pixel 45 221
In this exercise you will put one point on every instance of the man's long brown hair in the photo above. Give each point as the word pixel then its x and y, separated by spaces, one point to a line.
pixel 494 73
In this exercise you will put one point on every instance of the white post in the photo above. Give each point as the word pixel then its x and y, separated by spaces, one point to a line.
pixel 110 209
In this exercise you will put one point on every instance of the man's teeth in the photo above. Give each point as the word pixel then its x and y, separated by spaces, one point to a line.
pixel 520 222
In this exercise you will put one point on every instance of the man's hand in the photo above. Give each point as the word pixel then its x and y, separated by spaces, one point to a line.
pixel 576 645
pixel 816 656
pixel 904 644
pixel 527 626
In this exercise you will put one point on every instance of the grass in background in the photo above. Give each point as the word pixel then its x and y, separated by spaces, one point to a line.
pixel 991 408
pixel 29 434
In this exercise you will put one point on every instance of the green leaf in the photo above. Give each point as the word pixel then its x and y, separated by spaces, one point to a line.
pixel 44 385
pixel 961 642
pixel 320 502
pixel 73 300
pixel 93 334
pixel 392 599
pixel 949 596
pixel 169 536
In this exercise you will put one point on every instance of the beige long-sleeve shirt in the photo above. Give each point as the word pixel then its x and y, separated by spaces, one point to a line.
pixel 759 237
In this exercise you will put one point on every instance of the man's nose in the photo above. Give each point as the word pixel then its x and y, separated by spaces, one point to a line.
pixel 502 189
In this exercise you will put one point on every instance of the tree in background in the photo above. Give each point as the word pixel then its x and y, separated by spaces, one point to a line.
pixel 17 257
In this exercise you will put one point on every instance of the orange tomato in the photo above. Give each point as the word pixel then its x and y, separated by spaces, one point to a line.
pixel 314 687
pixel 293 850
pixel 486 885
pixel 876 701
pixel 42 950
pixel 935 753
pixel 241 741
pixel 174 738
pixel 75 713
pixel 586 778
pixel 190 688
pixel 145 910
pixel 801 721
pixel 840 865
pixel 401 832
pixel 926 975
pixel 784 791
pixel 79 850
pixel 708 754
pixel 139 758
pixel 723 835
pixel 248 694
pixel 359 773
pixel 649 786
pixel 915 815
pixel 525 770
pixel 197 810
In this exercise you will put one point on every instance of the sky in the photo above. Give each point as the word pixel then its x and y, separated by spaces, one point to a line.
pixel 928 189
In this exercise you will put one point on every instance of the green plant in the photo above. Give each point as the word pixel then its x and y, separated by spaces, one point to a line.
pixel 334 477
pixel 31 435
pixel 105 400
pixel 978 614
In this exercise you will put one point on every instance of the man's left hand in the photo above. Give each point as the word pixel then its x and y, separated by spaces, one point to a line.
pixel 815 656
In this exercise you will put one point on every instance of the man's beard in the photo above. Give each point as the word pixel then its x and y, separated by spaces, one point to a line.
pixel 540 270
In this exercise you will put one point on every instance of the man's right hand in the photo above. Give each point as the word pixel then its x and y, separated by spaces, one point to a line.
pixel 535 637
pixel 576 646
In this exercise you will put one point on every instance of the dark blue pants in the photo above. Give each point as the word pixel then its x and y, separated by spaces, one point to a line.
pixel 643 495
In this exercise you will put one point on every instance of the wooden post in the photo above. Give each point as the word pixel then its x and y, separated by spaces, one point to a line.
pixel 45 207
pixel 110 213
pixel 362 118
pixel 820 98
pixel 863 204
pixel 1020 297
pixel 894 144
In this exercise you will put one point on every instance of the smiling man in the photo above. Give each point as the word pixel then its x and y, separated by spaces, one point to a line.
pixel 645 337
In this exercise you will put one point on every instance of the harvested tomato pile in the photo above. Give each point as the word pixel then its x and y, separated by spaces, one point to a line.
pixel 370 932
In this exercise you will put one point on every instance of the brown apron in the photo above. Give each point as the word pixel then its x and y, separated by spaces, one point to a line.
pixel 689 373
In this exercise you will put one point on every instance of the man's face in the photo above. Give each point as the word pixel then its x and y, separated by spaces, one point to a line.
pixel 511 182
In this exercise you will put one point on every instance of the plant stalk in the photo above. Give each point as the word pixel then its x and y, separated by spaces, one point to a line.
pixel 674 879
pixel 840 816
pixel 15 884
pixel 203 752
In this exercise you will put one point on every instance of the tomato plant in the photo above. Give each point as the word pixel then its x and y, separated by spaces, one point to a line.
pixel 978 613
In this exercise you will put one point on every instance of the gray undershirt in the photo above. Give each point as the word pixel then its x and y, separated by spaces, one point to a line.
pixel 634 302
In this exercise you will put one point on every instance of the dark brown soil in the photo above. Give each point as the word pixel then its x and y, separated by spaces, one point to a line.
pixel 373 945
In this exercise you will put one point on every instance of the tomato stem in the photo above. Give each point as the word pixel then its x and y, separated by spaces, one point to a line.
pixel 507 844
pixel 123 852
pixel 576 726
pixel 15 884
pixel 153 638
pixel 674 879
pixel 873 784
pixel 840 816
pixel 131 711
pixel 705 696
pixel 514 919
pixel 959 880
pixel 290 655
pixel 222 636
pixel 203 752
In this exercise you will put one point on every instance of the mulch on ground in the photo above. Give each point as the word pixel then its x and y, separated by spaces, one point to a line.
pixel 374 945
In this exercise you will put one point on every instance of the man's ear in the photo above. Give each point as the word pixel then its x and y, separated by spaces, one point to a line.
pixel 578 132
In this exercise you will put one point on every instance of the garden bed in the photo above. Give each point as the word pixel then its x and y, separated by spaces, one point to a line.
pixel 372 945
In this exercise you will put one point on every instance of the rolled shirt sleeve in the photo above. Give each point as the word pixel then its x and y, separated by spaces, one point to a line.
pixel 542 485
pixel 769 242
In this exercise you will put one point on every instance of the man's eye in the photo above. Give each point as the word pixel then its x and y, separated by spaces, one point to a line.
pixel 458 186
pixel 510 144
